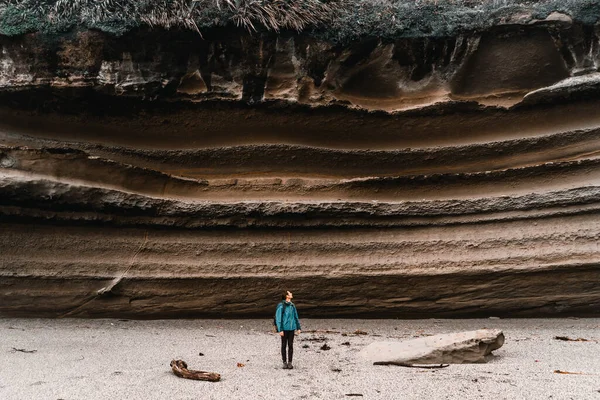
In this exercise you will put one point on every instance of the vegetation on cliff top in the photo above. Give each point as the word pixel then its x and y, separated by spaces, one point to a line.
pixel 338 20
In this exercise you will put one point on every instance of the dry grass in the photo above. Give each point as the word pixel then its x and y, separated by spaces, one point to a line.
pixel 164 13
pixel 343 18
pixel 272 14
pixel 277 14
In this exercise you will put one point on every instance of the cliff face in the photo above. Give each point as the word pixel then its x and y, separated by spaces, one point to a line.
pixel 168 174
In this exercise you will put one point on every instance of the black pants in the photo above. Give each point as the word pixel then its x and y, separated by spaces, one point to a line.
pixel 287 340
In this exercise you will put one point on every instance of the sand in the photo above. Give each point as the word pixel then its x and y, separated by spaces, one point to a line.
pixel 126 359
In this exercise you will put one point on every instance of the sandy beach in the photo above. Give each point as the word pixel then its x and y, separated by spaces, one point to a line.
pixel 127 359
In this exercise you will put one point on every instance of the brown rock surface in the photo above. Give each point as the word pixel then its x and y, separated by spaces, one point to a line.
pixel 159 174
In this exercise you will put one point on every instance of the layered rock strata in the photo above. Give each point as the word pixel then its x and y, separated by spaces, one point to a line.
pixel 167 174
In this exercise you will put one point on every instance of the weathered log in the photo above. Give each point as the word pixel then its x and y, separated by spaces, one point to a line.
pixel 180 369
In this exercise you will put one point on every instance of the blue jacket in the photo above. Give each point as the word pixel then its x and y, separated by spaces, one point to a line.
pixel 290 321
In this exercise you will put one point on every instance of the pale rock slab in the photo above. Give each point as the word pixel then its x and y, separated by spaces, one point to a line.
pixel 451 348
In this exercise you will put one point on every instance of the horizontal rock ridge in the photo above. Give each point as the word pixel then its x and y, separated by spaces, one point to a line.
pixel 164 174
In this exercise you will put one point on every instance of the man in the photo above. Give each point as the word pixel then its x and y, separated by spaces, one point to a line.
pixel 287 322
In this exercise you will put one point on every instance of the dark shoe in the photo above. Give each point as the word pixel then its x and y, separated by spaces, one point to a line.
pixel 290 366
pixel 285 365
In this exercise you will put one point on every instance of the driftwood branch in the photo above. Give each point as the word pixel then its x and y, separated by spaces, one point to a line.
pixel 558 371
pixel 410 365
pixel 320 331
pixel 180 369
pixel 14 349
pixel 569 339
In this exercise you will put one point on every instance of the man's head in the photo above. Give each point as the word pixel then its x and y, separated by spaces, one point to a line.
pixel 287 296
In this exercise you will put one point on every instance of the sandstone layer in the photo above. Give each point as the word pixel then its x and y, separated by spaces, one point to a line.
pixel 171 174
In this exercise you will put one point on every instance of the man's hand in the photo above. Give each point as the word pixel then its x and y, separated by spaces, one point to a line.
pixel 281 333
pixel 298 332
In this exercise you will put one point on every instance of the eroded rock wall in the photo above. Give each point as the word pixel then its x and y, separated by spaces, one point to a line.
pixel 164 174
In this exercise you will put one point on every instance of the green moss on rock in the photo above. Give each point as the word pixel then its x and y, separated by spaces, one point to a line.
pixel 14 21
